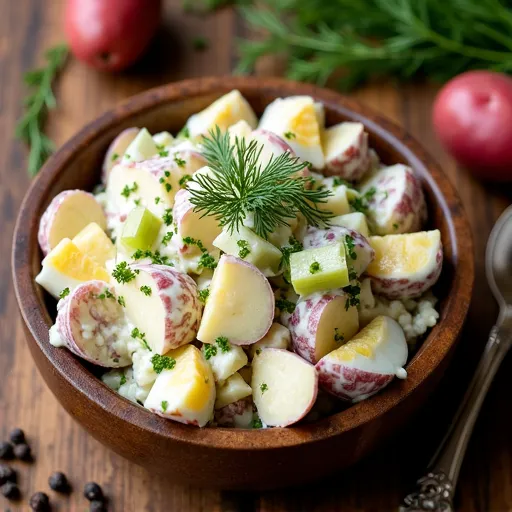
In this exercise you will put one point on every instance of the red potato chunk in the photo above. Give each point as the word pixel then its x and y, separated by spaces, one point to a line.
pixel 91 324
pixel 367 363
pixel 321 323
pixel 67 214
pixel 346 151
pixel 284 387
pixel 168 312
pixel 397 204
pixel 316 237
pixel 235 415
pixel 406 266
pixel 116 150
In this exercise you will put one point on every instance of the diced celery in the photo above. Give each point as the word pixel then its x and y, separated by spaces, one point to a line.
pixel 315 270
pixel 250 247
pixel 140 229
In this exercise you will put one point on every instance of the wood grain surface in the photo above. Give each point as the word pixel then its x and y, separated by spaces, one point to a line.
pixel 27 27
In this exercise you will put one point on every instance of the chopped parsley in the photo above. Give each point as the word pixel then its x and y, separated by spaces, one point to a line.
pixel 353 292
pixel 360 204
pixel 244 248
pixel 386 194
pixel 294 246
pixel 349 245
pixel 184 133
pixel 285 305
pixel 167 237
pixel 199 43
pixel 137 202
pixel 368 195
pixel 203 295
pixel 123 273
pixel 136 334
pixel 395 225
pixel 128 190
pixel 64 293
pixel 207 261
pixel 115 156
pixel 184 179
pixel 157 200
pixel 188 240
pixel 156 257
pixel 209 351
pixel 223 343
pixel 258 351
pixel 256 423
pixel 179 161
pixel 127 156
pixel 146 290
pixel 120 301
pixel 159 147
pixel 263 388
pixel 168 187
pixel 161 363
pixel 164 405
pixel 337 182
pixel 338 338
pixel 163 153
pixel 106 295
pixel 167 217
pixel 314 267
pixel 290 135
pixel 352 274
pixel 123 379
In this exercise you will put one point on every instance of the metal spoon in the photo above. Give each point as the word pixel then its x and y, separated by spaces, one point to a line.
pixel 435 490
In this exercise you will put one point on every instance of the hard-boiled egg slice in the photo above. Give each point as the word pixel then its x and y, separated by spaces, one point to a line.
pixel 67 267
pixel 406 265
pixel 224 112
pixel 296 120
pixel 367 363
pixel 185 393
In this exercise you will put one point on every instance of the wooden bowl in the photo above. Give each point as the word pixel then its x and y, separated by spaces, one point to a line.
pixel 220 457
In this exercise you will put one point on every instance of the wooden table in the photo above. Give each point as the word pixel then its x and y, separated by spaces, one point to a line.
pixel 27 27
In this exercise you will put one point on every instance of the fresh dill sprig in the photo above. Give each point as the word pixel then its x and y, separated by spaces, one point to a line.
pixel 239 186
pixel 30 128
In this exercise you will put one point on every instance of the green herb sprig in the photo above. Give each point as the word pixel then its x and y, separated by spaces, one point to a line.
pixel 41 99
pixel 239 186
pixel 400 38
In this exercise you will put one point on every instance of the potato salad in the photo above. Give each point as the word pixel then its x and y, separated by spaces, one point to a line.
pixel 244 273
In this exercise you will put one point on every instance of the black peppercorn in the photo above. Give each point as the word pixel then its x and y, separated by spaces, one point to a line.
pixel 93 492
pixel 6 452
pixel 17 436
pixel 39 502
pixel 97 506
pixel 58 482
pixel 10 490
pixel 7 474
pixel 23 452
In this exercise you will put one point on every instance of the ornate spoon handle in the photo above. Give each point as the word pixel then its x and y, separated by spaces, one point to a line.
pixel 435 490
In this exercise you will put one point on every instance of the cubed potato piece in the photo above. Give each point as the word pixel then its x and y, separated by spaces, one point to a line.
pixel 67 214
pixel 278 336
pixel 224 363
pixel 284 387
pixel 406 266
pixel 396 204
pixel 355 221
pixel 367 363
pixel 321 323
pixel 186 393
pixel 116 150
pixel 232 390
pixel 240 305
pixel 162 303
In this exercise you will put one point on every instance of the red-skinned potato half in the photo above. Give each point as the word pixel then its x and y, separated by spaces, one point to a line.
pixel 472 117
pixel 111 35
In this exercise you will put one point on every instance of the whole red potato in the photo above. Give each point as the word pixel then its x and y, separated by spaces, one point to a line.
pixel 111 34
pixel 472 117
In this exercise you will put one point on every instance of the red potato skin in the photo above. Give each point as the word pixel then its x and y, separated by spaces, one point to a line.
pixel 68 320
pixel 118 145
pixel 472 117
pixel 110 35
pixel 353 163
pixel 345 382
pixel 402 288
pixel 225 417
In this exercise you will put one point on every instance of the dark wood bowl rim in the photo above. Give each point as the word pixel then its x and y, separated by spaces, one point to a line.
pixel 37 318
